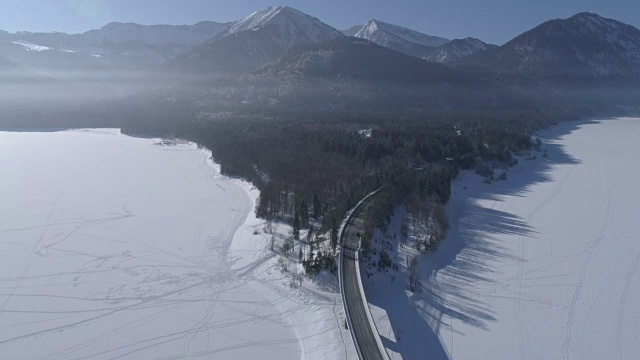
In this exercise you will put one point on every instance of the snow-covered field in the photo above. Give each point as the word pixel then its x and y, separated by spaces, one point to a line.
pixel 118 247
pixel 541 266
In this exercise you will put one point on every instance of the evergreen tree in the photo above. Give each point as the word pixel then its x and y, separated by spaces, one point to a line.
pixel 304 214
pixel 317 207
pixel 310 233
pixel 296 225
pixel 334 234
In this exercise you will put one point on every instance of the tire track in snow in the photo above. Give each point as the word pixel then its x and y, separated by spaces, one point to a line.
pixel 28 264
pixel 623 301
pixel 521 281
pixel 566 351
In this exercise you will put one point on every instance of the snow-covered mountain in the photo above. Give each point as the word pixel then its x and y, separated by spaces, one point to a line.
pixel 116 47
pixel 352 31
pixel 50 61
pixel 254 41
pixel 581 49
pixel 287 27
pixel 398 38
pixel 457 49
pixel 348 74
pixel 121 33
pixel 179 35
pixel 360 59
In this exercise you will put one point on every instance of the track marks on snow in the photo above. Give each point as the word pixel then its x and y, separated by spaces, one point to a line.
pixel 566 347
pixel 521 280
pixel 623 303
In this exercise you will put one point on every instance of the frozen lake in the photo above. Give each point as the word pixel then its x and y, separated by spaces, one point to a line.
pixel 545 265
pixel 116 247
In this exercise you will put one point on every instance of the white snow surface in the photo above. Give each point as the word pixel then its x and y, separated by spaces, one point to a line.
pixel 31 47
pixel 383 33
pixel 291 27
pixel 314 310
pixel 120 247
pixel 544 265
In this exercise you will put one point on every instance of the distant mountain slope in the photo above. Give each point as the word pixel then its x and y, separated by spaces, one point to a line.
pixel 583 49
pixel 120 33
pixel 287 27
pixel 8 70
pixel 398 38
pixel 457 49
pixel 252 42
pixel 51 61
pixel 347 74
pixel 352 31
pixel 115 47
pixel 353 58
pixel 181 35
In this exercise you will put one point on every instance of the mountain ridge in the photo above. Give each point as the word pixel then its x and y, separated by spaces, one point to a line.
pixel 584 47
pixel 257 39
pixel 404 40
pixel 457 49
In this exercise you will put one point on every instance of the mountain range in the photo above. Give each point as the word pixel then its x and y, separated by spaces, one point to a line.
pixel 282 57
pixel 581 50
pixel 101 53
pixel 254 41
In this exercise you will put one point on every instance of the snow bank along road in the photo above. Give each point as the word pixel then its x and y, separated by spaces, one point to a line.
pixel 365 337
pixel 545 265
pixel 113 247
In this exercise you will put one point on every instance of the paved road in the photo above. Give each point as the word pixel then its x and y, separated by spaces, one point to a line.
pixel 364 335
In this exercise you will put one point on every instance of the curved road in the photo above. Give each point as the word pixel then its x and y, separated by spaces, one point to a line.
pixel 364 336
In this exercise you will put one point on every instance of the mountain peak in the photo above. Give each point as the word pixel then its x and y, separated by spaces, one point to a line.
pixel 457 49
pixel 596 24
pixel 383 33
pixel 289 27
pixel 586 16
pixel 117 24
pixel 581 49
pixel 591 21
pixel 265 17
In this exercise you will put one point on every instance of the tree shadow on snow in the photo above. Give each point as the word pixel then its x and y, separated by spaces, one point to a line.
pixel 467 257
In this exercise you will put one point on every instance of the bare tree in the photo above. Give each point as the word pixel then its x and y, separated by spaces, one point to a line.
pixel 287 246
pixel 269 227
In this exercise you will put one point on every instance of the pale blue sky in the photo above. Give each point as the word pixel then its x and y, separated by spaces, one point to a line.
pixel 494 21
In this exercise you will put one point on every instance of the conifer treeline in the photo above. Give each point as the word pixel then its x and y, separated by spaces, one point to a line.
pixel 319 165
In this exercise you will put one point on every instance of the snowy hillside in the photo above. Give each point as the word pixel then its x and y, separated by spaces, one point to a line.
pixel 114 47
pixel 399 38
pixel 457 49
pixel 352 31
pixel 180 35
pixel 380 32
pixel 258 39
pixel 288 27
pixel 46 59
